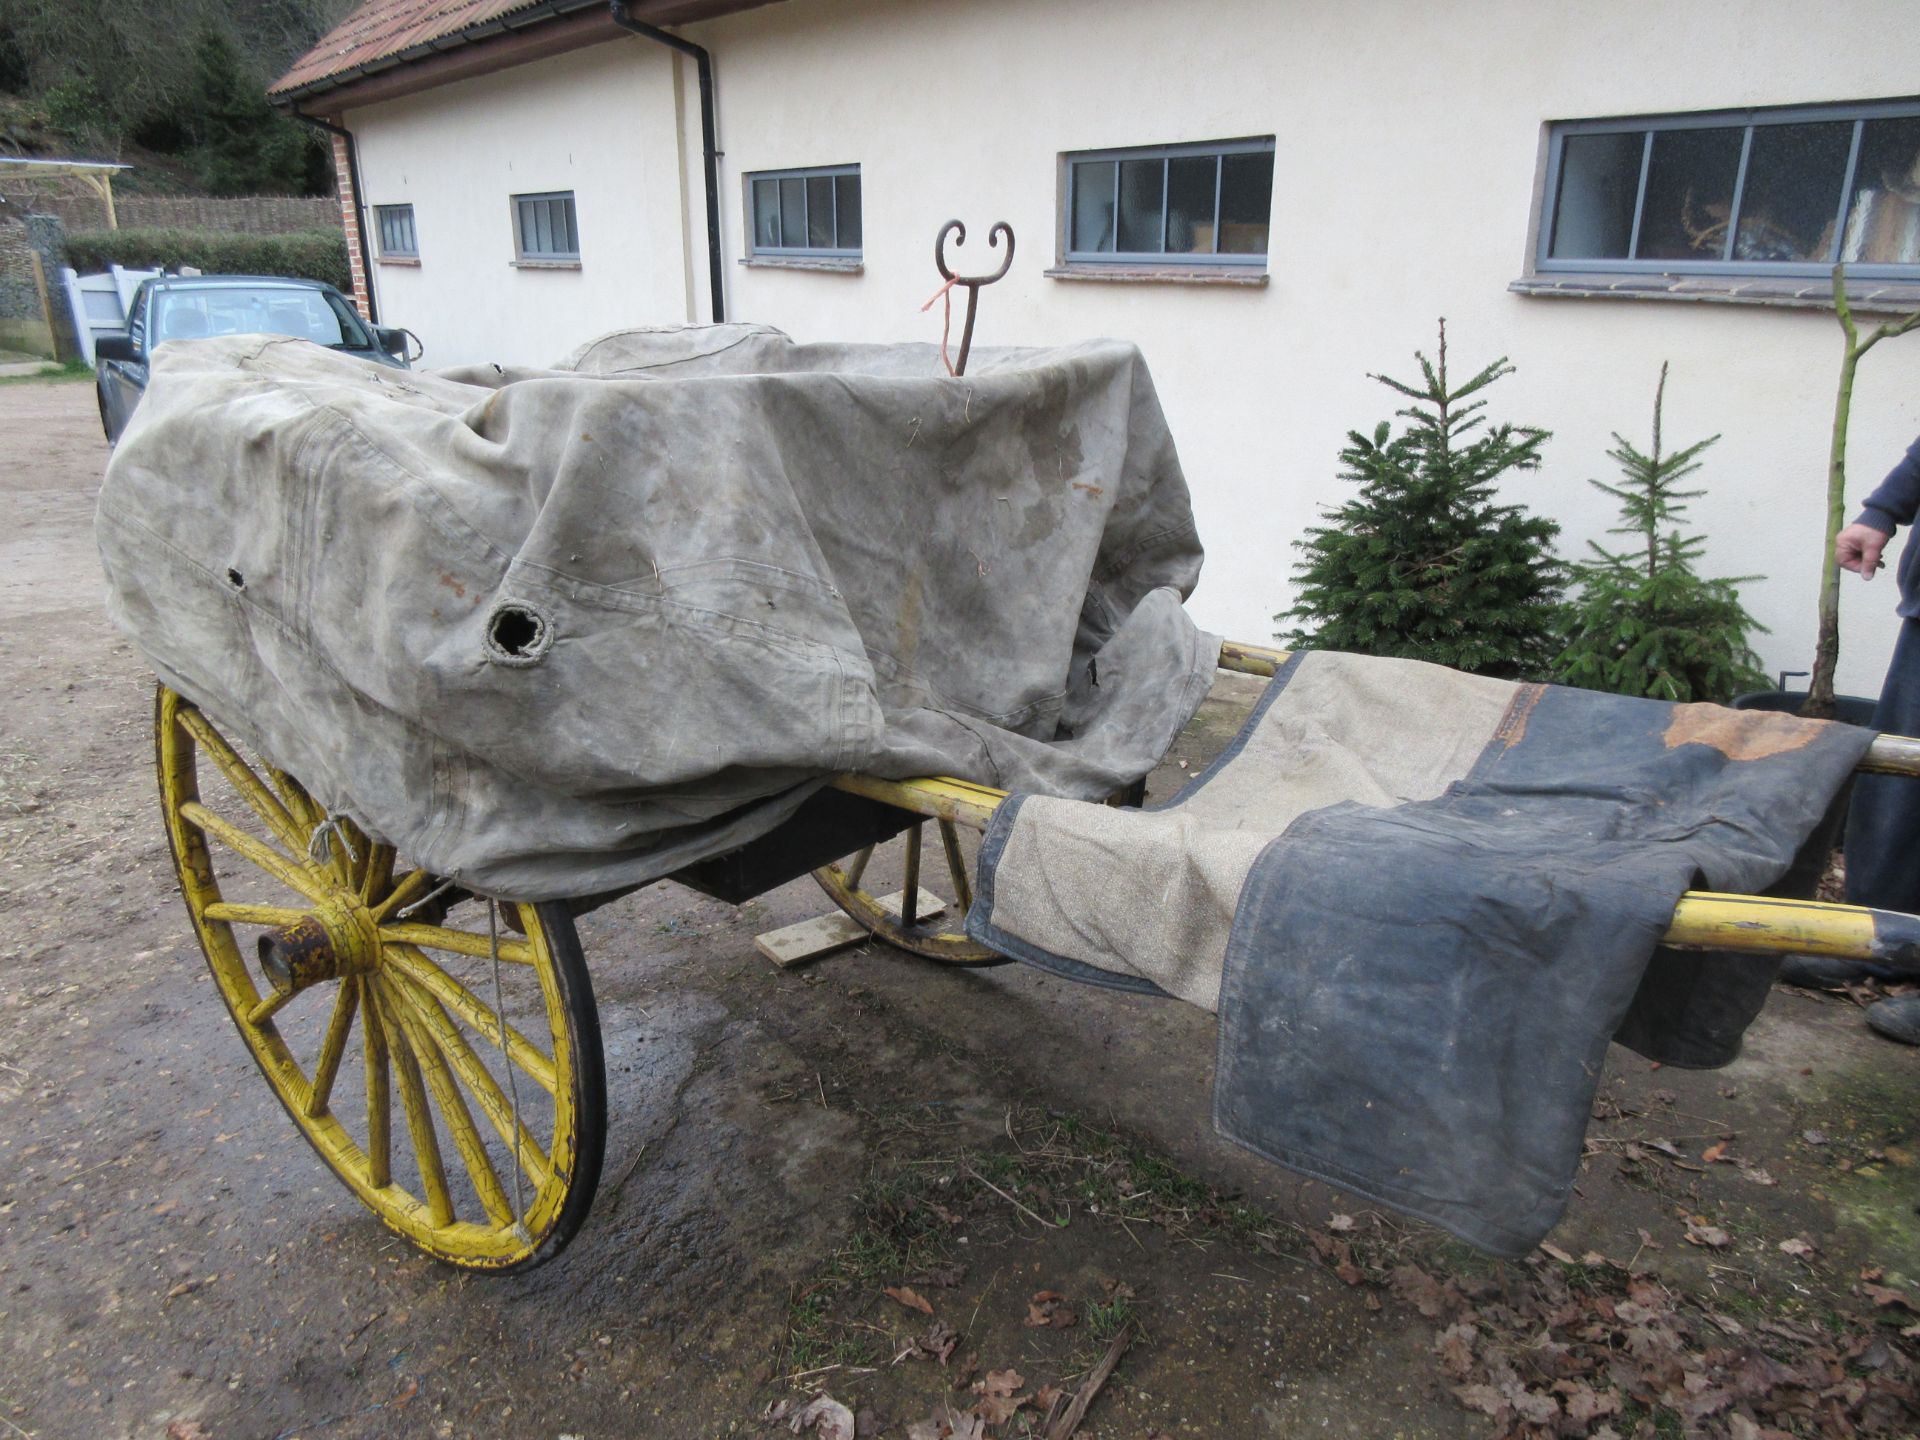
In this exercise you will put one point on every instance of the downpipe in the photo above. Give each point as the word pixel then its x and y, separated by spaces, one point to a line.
pixel 703 62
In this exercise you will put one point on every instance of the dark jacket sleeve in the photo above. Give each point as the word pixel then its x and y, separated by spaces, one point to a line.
pixel 1897 499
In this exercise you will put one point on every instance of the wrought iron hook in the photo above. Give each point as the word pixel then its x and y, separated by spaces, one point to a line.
pixel 973 282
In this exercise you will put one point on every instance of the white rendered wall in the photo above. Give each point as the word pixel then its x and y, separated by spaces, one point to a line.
pixel 599 122
pixel 1408 144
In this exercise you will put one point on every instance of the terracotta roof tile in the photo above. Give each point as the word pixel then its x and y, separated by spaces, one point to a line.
pixel 381 29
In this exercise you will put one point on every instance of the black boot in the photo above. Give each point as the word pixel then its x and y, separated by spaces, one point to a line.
pixel 1897 1019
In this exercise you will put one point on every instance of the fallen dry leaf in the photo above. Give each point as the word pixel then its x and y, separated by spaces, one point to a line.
pixel 998 1409
pixel 1800 1247
pixel 1048 1309
pixel 1454 1345
pixel 1585 1404
pixel 1420 1290
pixel 937 1343
pixel 1884 1296
pixel 826 1417
pixel 1711 1236
pixel 998 1382
pixel 1341 1224
pixel 1717 1154
pixel 185 1430
pixel 907 1298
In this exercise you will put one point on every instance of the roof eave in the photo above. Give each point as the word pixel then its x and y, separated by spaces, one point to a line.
pixel 553 28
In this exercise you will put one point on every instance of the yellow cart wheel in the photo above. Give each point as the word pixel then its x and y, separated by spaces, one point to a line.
pixel 892 919
pixel 449 1073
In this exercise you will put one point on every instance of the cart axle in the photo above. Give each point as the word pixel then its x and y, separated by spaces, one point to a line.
pixel 338 939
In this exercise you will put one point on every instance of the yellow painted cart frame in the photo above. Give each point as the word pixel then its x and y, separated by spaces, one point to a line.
pixel 502 1107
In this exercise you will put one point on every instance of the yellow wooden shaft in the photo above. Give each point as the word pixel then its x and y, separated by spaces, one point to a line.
pixel 1757 924
pixel 1701 921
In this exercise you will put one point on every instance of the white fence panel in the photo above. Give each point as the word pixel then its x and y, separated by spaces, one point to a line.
pixel 99 303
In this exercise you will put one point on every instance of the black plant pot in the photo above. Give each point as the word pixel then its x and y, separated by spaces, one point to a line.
pixel 1849 709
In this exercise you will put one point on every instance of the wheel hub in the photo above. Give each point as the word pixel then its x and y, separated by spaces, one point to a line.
pixel 337 939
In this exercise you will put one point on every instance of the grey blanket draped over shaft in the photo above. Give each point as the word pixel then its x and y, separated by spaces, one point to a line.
pixel 559 632
pixel 1423 904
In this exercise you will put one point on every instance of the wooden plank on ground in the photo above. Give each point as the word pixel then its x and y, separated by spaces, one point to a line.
pixel 810 939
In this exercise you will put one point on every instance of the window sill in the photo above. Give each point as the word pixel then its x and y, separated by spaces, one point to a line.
pixel 1787 292
pixel 544 264
pixel 831 264
pixel 1244 276
pixel 410 262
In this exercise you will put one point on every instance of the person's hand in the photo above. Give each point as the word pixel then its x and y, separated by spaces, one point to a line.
pixel 1858 548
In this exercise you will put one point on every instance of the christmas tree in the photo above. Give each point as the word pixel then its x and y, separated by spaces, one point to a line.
pixel 1645 622
pixel 1425 562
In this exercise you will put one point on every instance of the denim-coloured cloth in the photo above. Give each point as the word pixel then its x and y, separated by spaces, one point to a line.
pixel 556 633
pixel 1883 821
pixel 1425 903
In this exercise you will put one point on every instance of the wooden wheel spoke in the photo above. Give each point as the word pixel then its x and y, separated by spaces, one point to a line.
pixel 295 877
pixel 413 1103
pixel 458 942
pixel 377 875
pixel 294 796
pixel 470 1008
pixel 379 1102
pixel 413 885
pixel 857 868
pixel 477 1078
pixel 956 867
pixel 332 1048
pixel 355 864
pixel 910 891
pixel 262 801
pixel 269 1005
pixel 278 916
pixel 426 1059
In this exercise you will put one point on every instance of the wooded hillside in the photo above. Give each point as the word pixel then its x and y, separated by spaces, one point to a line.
pixel 175 86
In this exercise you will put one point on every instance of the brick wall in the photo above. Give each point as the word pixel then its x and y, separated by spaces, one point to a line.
pixel 349 220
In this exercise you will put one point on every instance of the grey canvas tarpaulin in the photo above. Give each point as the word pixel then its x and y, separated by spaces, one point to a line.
pixel 1423 904
pixel 560 632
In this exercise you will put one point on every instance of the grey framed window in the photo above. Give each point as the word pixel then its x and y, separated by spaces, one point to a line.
pixel 1205 204
pixel 544 227
pixel 394 225
pixel 806 212
pixel 1785 191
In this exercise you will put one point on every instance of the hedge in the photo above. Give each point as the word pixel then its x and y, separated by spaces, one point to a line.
pixel 304 254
